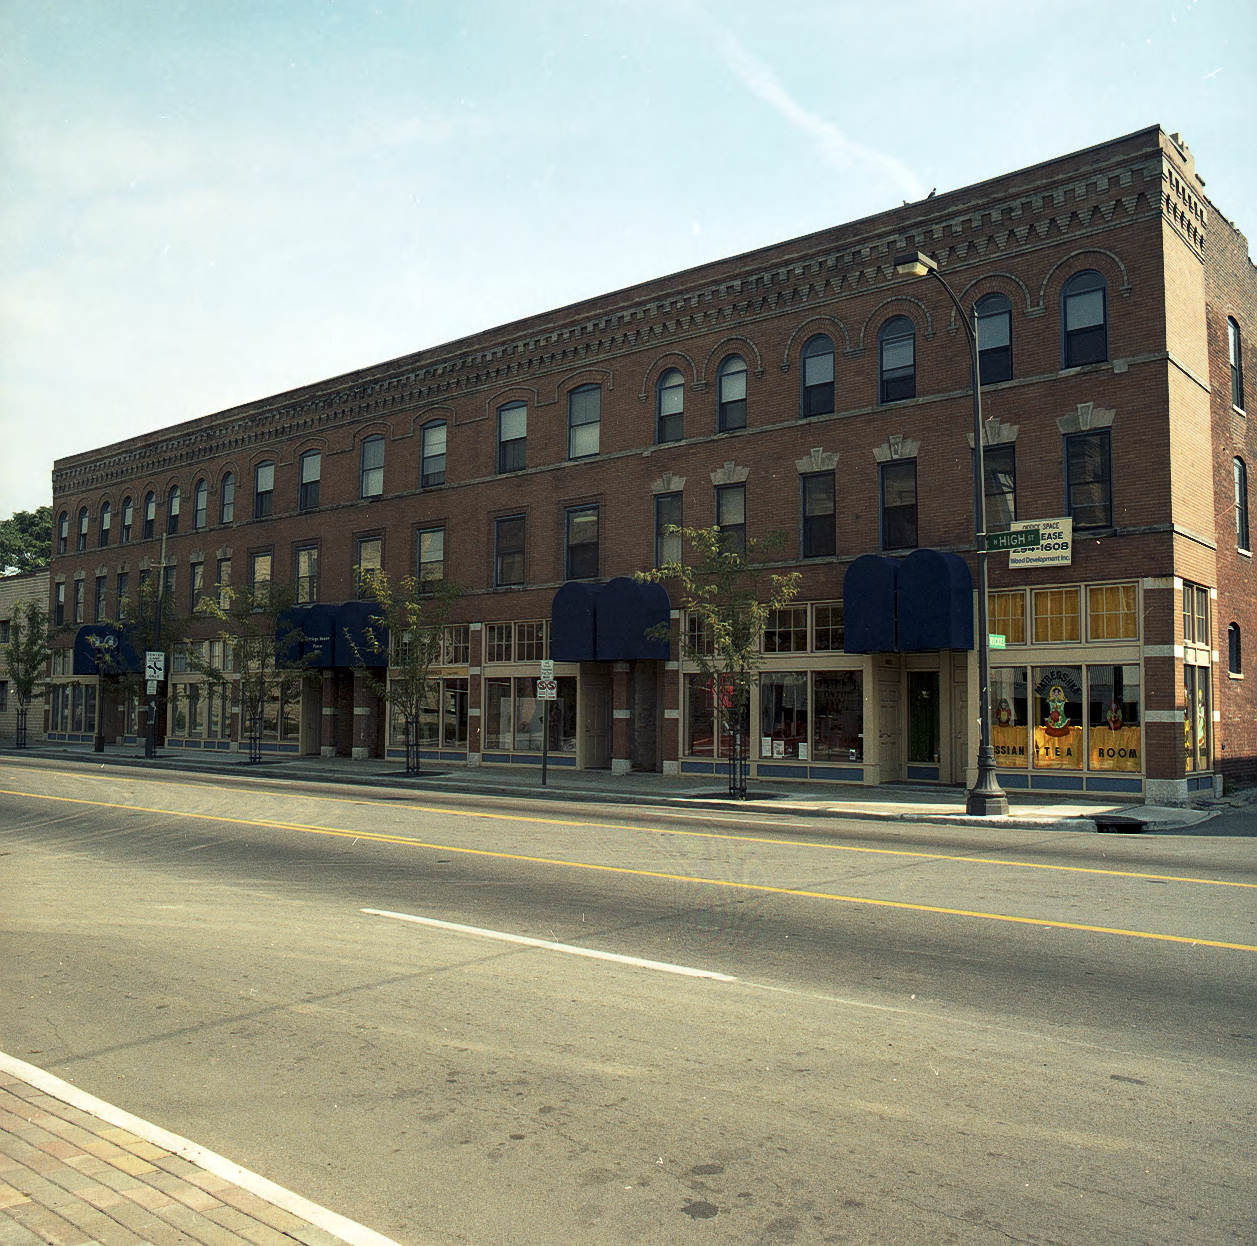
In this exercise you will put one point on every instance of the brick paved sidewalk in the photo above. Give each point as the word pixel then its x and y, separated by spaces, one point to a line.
pixel 71 1176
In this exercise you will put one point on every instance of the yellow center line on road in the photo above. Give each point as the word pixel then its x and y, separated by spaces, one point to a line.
pixel 573 824
pixel 730 884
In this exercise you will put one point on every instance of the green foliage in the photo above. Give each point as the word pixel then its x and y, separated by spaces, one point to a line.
pixel 258 638
pixel 413 617
pixel 730 596
pixel 26 540
pixel 27 652
pixel 151 623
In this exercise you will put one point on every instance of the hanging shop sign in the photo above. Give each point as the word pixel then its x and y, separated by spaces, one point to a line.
pixel 1054 547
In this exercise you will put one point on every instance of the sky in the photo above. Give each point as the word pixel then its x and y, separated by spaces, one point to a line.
pixel 204 203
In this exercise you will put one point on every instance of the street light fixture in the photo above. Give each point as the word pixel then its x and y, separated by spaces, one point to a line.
pixel 986 798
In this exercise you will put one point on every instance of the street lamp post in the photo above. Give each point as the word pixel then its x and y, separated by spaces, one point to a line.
pixel 986 798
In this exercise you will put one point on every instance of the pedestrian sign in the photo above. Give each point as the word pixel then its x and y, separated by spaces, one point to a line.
pixel 547 690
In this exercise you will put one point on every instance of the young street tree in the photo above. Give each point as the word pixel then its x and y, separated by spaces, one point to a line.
pixel 27 655
pixel 26 540
pixel 260 646
pixel 150 623
pixel 413 616
pixel 727 597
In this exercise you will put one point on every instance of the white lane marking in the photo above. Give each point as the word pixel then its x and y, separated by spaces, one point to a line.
pixel 331 1222
pixel 570 948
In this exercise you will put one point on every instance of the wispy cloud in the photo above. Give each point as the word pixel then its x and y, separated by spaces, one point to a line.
pixel 835 147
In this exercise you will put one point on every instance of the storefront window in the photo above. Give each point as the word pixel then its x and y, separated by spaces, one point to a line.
pixel 1009 721
pixel 497 713
pixel 1113 718
pixel 700 727
pixel 1196 717
pixel 783 714
pixel 1111 612
pixel 454 713
pixel 514 717
pixel 838 699
pixel 1058 718
pixel 179 709
pixel 528 715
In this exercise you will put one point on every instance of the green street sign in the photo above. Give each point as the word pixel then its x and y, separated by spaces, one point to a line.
pixel 1019 538
pixel 995 641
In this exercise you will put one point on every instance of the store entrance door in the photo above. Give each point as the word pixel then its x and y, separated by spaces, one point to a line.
pixel 923 725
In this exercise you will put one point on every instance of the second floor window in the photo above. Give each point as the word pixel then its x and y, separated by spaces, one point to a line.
pixel 899 504
pixel 1240 472
pixel 581 558
pixel 668 514
pixel 128 520
pixel 371 469
pixel 432 465
pixel 817 367
pixel 513 437
pixel 999 464
pixel 63 533
pixel 995 339
pixel 172 510
pixel 307 568
pixel 819 538
pixel 369 560
pixel 670 419
pixel 260 572
pixel 83 519
pixel 508 551
pixel 311 471
pixel 430 556
pixel 731 516
pixel 150 515
pixel 1088 479
pixel 584 420
pixel 106 521
pixel 731 394
pixel 263 490
pixel 200 505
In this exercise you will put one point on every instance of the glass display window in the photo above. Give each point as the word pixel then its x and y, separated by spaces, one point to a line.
pixel 1058 718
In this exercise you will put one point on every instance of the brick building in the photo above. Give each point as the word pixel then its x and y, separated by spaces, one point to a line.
pixel 804 388
pixel 16 592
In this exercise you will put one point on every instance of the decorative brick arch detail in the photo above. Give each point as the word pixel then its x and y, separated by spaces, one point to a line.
pixel 679 359
pixel 896 446
pixel 1084 417
pixel 667 483
pixel 527 394
pixel 1105 262
pixel 896 305
pixel 729 473
pixel 586 376
pixel 735 344
pixel 1016 290
pixel 373 428
pixel 816 460
pixel 831 326
pixel 995 433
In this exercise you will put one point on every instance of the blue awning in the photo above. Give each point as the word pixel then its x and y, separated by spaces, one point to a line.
pixel 304 635
pixel 609 622
pixel 351 646
pixel 103 649
pixel 935 602
pixel 868 605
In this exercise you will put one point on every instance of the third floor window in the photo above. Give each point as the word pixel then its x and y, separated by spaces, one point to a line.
pixel 513 437
pixel 311 471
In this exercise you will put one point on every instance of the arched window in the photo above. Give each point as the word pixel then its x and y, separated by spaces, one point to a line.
pixel 995 338
pixel 897 360
pixel 227 499
pixel 1241 502
pixel 731 387
pixel 63 533
pixel 172 510
pixel 670 407
pixel 82 541
pixel 513 437
pixel 150 516
pixel 432 455
pixel 263 489
pixel 1235 353
pixel 1234 654
pixel 200 504
pixel 1084 320
pixel 128 520
pixel 106 521
pixel 584 421
pixel 308 478
pixel 816 377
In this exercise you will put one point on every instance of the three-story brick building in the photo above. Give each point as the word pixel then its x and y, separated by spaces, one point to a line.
pixel 804 389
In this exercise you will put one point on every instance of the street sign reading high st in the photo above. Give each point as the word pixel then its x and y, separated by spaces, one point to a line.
pixel 1017 538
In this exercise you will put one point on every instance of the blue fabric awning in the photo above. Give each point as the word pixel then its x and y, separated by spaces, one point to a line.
pixel 352 620
pixel 609 622
pixel 113 646
pixel 304 635
pixel 868 605
pixel 935 602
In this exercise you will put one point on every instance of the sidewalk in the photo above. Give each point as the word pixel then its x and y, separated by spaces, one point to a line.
pixel 892 802
pixel 75 1171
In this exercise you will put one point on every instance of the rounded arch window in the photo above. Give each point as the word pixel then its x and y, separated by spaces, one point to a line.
pixel 731 390
pixel 670 407
pixel 994 314
pixel 897 360
pixel 817 376
pixel 1084 320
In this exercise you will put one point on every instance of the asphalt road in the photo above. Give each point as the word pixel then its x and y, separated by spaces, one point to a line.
pixel 904 1034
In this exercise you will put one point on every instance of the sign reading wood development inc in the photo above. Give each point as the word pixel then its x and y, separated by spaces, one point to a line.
pixel 1036 542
